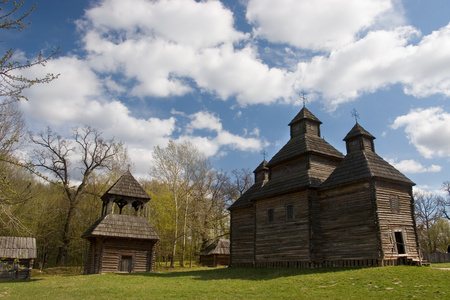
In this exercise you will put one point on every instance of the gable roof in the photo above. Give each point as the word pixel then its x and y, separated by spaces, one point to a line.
pixel 17 247
pixel 364 165
pixel 221 246
pixel 123 226
pixel 126 186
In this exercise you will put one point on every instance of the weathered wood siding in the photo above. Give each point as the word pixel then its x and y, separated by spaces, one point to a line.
pixel 400 219
pixel 15 269
pixel 348 224
pixel 242 240
pixel 287 170
pixel 214 260
pixel 321 167
pixel 282 240
pixel 104 255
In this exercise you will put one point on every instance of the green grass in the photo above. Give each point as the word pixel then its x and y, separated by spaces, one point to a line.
pixel 241 283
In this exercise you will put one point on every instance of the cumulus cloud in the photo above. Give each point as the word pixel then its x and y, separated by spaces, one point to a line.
pixel 211 144
pixel 378 60
pixel 412 166
pixel 428 130
pixel 168 45
pixel 314 24
pixel 188 22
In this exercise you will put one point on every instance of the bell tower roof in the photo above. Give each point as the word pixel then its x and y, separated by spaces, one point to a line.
pixel 305 123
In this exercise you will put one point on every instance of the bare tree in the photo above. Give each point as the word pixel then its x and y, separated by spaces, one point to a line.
pixel 55 154
pixel 12 83
pixel 445 202
pixel 428 213
pixel 241 181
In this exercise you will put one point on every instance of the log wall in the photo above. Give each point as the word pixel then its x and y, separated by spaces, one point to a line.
pixel 104 255
pixel 399 218
pixel 348 224
pixel 282 240
pixel 242 237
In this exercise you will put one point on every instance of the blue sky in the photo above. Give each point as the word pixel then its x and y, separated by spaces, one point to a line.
pixel 228 75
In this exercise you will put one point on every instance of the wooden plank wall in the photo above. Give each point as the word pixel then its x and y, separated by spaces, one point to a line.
pixel 348 224
pixel 11 269
pixel 401 220
pixel 104 255
pixel 321 167
pixel 282 240
pixel 242 241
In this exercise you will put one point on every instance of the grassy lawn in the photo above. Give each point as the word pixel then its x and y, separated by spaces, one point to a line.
pixel 241 283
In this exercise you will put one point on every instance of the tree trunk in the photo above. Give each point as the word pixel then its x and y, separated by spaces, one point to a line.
pixel 174 245
pixel 61 259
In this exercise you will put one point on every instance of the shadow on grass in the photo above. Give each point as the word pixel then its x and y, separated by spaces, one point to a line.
pixel 243 273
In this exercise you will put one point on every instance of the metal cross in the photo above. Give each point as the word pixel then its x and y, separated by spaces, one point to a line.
pixel 264 153
pixel 304 98
pixel 355 115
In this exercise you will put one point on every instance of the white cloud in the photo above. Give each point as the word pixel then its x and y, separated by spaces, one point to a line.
pixel 412 166
pixel 364 66
pixel 204 120
pixel 66 99
pixel 314 24
pixel 426 67
pixel 165 61
pixel 210 145
pixel 188 22
pixel 428 130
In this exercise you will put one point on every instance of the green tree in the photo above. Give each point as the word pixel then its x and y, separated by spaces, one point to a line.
pixel 178 167
pixel 439 235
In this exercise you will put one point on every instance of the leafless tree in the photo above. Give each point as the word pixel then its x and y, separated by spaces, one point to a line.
pixel 445 202
pixel 55 155
pixel 428 213
pixel 12 83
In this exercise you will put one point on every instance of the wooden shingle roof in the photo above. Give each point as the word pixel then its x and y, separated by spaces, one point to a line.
pixel 221 246
pixel 364 165
pixel 303 144
pixel 17 247
pixel 123 226
pixel 127 186
pixel 357 130
pixel 304 114
pixel 246 198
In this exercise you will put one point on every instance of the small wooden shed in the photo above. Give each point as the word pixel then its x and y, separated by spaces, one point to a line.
pixel 16 257
pixel 122 239
pixel 216 254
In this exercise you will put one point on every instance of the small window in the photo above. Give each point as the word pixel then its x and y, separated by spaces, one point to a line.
pixel 289 212
pixel 395 205
pixel 270 216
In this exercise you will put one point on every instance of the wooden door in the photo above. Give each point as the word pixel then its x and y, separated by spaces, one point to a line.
pixel 126 263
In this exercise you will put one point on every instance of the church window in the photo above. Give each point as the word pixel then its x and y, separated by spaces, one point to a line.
pixel 289 212
pixel 270 216
pixel 394 203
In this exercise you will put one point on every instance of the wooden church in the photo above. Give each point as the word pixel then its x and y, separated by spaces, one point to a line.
pixel 311 206
pixel 122 239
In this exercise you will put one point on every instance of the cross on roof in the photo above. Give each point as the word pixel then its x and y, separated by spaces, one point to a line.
pixel 355 115
pixel 264 153
pixel 304 98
